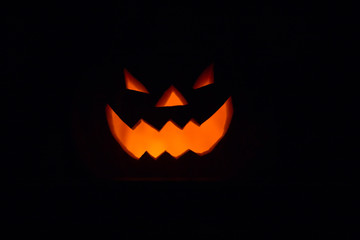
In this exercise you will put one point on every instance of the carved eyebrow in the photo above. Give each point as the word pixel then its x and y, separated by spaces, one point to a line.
pixel 132 83
pixel 205 78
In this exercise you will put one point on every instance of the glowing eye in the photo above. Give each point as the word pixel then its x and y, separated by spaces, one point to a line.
pixel 133 84
pixel 206 78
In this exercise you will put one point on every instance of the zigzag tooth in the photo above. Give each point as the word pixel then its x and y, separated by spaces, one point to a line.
pixel 142 125
pixel 137 155
pixel 136 124
pixel 177 155
pixel 170 125
pixel 155 156
pixel 192 122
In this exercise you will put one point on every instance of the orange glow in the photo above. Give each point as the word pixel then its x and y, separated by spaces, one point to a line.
pixel 171 97
pixel 133 84
pixel 206 78
pixel 143 137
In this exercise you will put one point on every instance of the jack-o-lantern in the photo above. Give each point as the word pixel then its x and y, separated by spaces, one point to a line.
pixel 171 96
pixel 147 127
pixel 200 138
pixel 164 106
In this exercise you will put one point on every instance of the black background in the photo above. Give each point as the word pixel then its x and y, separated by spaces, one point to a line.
pixel 294 61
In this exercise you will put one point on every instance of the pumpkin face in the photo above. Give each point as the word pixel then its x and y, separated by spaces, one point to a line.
pixel 198 137
pixel 162 106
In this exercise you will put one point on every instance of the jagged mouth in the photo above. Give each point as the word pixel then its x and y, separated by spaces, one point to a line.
pixel 143 137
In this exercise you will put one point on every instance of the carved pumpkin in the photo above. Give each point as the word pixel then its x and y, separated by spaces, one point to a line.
pixel 200 138
pixel 161 107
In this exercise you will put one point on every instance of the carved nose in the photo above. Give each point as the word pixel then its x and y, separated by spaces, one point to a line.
pixel 171 97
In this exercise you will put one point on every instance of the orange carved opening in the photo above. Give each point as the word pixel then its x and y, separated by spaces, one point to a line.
pixel 171 97
pixel 132 83
pixel 143 137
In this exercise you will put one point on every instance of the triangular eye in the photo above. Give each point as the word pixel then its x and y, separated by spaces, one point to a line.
pixel 206 77
pixel 132 83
